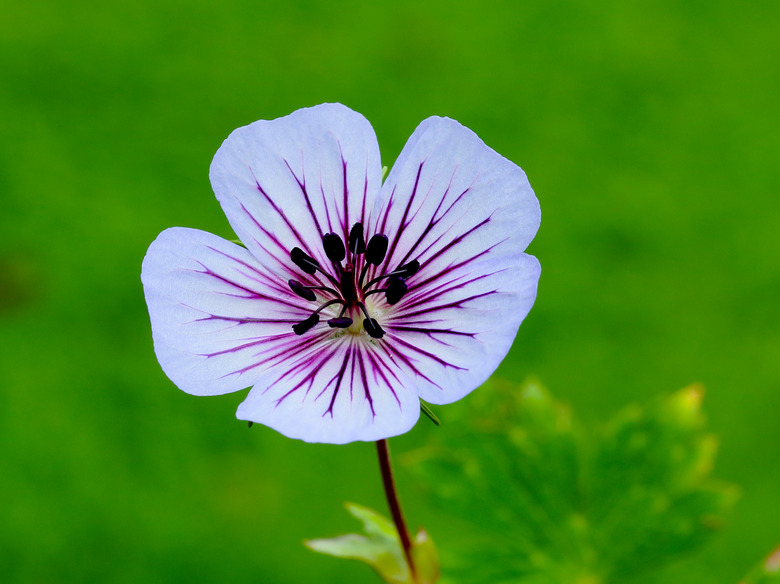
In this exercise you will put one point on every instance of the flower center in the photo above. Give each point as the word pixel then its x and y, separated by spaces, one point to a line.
pixel 349 290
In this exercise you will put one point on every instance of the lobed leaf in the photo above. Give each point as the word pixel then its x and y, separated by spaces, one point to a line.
pixel 550 502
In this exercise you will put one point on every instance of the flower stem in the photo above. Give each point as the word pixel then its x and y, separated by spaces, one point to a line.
pixel 395 505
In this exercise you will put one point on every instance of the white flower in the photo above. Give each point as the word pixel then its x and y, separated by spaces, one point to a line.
pixel 353 299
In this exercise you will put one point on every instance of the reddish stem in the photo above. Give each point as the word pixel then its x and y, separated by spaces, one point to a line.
pixel 394 504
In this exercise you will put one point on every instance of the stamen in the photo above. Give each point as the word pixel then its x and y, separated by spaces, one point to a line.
pixel 409 269
pixel 323 288
pixel 341 321
pixel 301 290
pixel 362 307
pixel 373 329
pixel 376 249
pixel 370 325
pixel 347 291
pixel 334 247
pixel 309 323
pixel 304 261
pixel 396 288
pixel 306 325
pixel 357 244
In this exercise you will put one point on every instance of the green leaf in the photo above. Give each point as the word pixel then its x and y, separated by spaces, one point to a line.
pixel 380 547
pixel 767 572
pixel 547 501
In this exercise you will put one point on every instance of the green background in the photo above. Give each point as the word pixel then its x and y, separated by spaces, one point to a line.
pixel 648 129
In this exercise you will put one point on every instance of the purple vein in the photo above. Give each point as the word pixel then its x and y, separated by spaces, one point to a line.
pixel 430 331
pixel 434 221
pixel 364 381
pixel 339 379
pixel 302 185
pixel 379 367
pixel 345 193
pixel 433 277
pixel 402 224
pixel 431 223
pixel 325 204
pixel 425 294
pixel 311 367
pixel 276 208
pixel 428 355
pixel 392 350
pixel 282 352
pixel 382 225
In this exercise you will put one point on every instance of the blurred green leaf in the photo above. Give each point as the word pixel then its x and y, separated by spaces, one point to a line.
pixel 767 572
pixel 381 549
pixel 552 503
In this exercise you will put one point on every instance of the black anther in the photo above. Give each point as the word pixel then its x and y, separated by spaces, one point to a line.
pixel 307 324
pixel 334 247
pixel 373 329
pixel 396 288
pixel 305 262
pixel 340 322
pixel 376 250
pixel 356 242
pixel 301 290
pixel 408 269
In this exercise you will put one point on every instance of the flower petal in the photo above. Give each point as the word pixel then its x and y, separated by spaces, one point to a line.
pixel 217 316
pixel 285 183
pixel 449 197
pixel 467 214
pixel 334 390
pixel 452 337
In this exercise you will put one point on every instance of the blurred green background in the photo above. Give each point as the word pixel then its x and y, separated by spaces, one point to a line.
pixel 649 130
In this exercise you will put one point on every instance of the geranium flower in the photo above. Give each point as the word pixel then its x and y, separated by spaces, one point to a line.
pixel 351 299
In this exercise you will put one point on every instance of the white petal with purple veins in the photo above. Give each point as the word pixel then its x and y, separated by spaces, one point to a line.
pixel 218 318
pixel 286 182
pixel 467 214
pixel 455 339
pixel 337 391
pixel 450 198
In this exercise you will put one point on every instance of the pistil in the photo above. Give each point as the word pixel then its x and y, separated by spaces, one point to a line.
pixel 348 289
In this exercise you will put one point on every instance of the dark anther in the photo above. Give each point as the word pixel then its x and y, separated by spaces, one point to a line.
pixel 305 262
pixel 396 288
pixel 306 325
pixel 301 290
pixel 408 269
pixel 373 329
pixel 356 242
pixel 334 247
pixel 340 322
pixel 376 250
